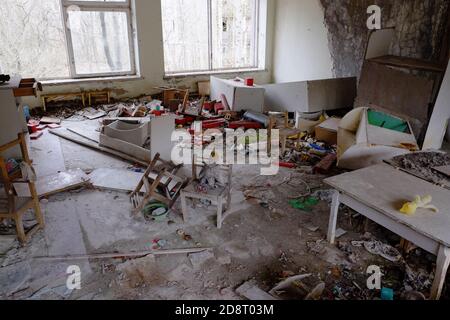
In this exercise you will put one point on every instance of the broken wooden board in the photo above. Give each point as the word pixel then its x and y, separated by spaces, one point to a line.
pixel 443 169
pixel 114 179
pixel 88 134
pixel 125 147
pixel 122 255
pixel 250 291
pixel 50 120
pixel 63 133
pixel 49 185
pixel 97 115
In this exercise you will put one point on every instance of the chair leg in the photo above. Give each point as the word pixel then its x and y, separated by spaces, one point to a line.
pixel 20 229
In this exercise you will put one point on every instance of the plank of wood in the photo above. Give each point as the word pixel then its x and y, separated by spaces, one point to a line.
pixel 93 136
pixel 49 185
pixel 122 255
pixel 443 169
pixel 50 120
pixel 63 133
pixel 116 180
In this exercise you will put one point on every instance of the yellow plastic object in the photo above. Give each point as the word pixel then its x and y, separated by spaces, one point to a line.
pixel 410 208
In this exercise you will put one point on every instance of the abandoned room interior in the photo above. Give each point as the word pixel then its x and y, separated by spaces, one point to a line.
pixel 224 150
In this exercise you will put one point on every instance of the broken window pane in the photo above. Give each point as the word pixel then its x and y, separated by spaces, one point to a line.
pixel 185 29
pixel 100 42
pixel 32 41
pixel 233 34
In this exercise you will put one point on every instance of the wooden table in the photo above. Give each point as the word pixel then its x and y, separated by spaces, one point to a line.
pixel 378 193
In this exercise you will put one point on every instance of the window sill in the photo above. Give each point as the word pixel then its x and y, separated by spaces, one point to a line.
pixel 207 73
pixel 89 80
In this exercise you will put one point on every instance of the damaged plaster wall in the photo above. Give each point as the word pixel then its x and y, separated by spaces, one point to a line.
pixel 301 42
pixel 419 25
pixel 151 54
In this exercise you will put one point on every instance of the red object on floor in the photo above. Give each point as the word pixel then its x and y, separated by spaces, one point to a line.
pixel 208 106
pixel 286 165
pixel 249 82
pixel 33 126
pixel 244 124
pixel 36 135
pixel 325 164
pixel 218 106
pixel 157 113
pixel 184 121
pixel 211 124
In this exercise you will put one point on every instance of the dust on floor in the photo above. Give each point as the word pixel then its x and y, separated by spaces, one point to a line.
pixel 265 239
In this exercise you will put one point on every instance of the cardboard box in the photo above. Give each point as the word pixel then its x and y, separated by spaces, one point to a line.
pixel 362 143
pixel 327 131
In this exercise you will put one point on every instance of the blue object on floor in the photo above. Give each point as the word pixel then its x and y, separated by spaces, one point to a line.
pixel 387 294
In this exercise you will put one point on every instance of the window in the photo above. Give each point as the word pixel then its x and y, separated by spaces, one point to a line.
pixel 210 35
pixel 57 39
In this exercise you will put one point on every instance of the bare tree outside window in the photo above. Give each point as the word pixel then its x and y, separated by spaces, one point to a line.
pixel 209 35
pixel 34 42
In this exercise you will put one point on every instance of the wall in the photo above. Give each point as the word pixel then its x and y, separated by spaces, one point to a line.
pixel 149 30
pixel 419 24
pixel 301 42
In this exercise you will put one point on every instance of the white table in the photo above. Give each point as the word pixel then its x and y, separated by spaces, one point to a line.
pixel 378 193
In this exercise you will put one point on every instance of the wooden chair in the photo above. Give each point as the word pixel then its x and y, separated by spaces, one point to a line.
pixel 160 183
pixel 218 196
pixel 12 206
pixel 280 121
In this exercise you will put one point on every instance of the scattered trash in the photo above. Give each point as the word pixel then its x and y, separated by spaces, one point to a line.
pixel 419 202
pixel 340 232
pixel 156 211
pixel 158 244
pixel 413 296
pixel 317 292
pixel 183 235
pixel 378 248
pixel 198 259
pixel 305 204
pixel 387 294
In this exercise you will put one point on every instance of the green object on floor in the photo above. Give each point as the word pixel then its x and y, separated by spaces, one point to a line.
pixel 155 210
pixel 383 120
pixel 304 204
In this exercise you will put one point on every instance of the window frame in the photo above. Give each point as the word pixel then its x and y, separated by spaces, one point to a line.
pixel 99 6
pixel 258 58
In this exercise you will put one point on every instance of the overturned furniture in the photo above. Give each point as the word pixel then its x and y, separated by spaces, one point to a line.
pixel 131 136
pixel 160 183
pixel 12 206
pixel 219 195
pixel 367 137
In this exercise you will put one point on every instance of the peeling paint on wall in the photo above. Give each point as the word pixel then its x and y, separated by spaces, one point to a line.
pixel 419 25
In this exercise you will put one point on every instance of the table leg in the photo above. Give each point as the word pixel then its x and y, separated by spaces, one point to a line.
pixel 442 264
pixel 333 217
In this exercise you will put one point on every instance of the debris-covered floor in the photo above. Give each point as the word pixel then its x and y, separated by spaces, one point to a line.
pixel 268 238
